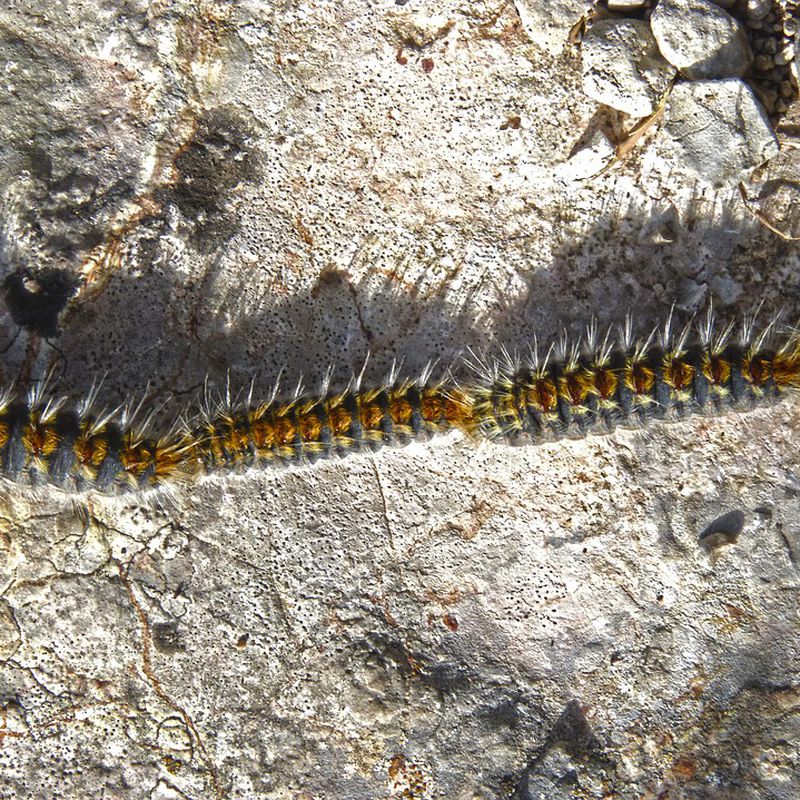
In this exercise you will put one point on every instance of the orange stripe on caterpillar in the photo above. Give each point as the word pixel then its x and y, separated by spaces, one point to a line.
pixel 574 390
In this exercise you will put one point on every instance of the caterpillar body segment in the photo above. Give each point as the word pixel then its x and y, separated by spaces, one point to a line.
pixel 573 390
pixel 305 428
pixel 78 452
pixel 598 388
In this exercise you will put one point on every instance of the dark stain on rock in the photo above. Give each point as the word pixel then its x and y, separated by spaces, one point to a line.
pixel 584 755
pixel 215 161
pixel 573 732
pixel 70 208
pixel 167 638
pixel 35 298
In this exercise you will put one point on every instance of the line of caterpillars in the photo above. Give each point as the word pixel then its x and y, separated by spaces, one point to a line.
pixel 591 386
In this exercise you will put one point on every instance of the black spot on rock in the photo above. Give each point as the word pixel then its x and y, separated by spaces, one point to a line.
pixel 216 160
pixel 583 754
pixel 35 298
pixel 167 638
pixel 573 732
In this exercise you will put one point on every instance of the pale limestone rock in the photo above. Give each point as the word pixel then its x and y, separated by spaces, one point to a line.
pixel 241 188
pixel 719 128
pixel 624 6
pixel 622 66
pixel 758 9
pixel 548 24
pixel 590 159
pixel 701 39
pixel 418 29
pixel 795 64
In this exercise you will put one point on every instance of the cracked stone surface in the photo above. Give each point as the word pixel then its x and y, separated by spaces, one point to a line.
pixel 719 129
pixel 214 188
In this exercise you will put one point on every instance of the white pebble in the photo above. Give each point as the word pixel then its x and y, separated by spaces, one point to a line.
pixel 622 66
pixel 785 56
pixel 758 9
pixel 701 39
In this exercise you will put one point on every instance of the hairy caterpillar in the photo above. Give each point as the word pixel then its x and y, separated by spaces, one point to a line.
pixel 572 390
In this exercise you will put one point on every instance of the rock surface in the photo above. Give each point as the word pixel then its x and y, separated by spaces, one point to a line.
pixel 758 9
pixel 719 128
pixel 589 159
pixel 625 6
pixel 622 66
pixel 215 188
pixel 795 65
pixel 701 39
pixel 548 24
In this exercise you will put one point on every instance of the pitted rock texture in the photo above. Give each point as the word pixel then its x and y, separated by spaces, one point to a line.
pixel 240 190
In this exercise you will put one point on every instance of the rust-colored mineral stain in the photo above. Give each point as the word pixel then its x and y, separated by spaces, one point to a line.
pixel 451 622
pixel 172 765
pixel 685 767
pixel 397 763
pixel 304 232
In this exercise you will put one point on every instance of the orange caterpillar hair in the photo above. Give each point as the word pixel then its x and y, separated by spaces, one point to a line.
pixel 569 390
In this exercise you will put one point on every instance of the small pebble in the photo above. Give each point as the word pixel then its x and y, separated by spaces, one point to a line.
pixel 701 39
pixel 768 98
pixel 758 9
pixel 723 530
pixel 625 5
pixel 622 66
pixel 762 63
pixel 785 56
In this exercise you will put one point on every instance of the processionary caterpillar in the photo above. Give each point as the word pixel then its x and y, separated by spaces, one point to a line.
pixel 569 390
